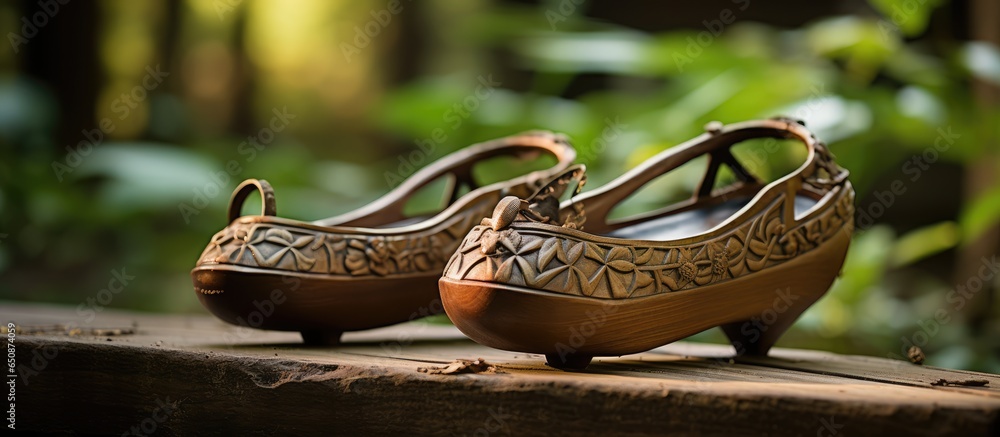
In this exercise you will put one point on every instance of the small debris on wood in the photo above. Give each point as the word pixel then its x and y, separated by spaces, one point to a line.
pixel 108 332
pixel 72 331
pixel 460 366
pixel 961 383
pixel 916 355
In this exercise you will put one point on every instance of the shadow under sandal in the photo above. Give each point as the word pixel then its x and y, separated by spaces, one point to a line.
pixel 372 267
pixel 749 258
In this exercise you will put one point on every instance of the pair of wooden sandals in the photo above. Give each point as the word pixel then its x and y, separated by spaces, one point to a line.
pixel 516 269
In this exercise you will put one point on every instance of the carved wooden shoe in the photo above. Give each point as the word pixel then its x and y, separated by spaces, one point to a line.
pixel 368 268
pixel 749 258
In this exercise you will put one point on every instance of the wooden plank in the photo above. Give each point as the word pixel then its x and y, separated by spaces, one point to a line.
pixel 216 378
pixel 877 369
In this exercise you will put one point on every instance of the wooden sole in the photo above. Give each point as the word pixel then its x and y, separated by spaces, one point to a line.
pixel 320 307
pixel 753 310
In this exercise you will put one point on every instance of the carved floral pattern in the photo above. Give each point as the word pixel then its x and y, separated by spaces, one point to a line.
pixel 282 247
pixel 563 264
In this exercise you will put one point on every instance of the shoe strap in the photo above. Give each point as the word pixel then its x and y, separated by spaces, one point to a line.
pixel 818 175
pixel 268 205
pixel 458 165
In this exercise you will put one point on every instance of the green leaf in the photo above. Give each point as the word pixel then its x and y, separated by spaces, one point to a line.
pixel 979 215
pixel 924 242
pixel 620 52
pixel 982 60
pixel 863 45
pixel 909 16
pixel 865 265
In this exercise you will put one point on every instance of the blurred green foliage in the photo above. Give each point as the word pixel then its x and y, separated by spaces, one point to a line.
pixel 877 96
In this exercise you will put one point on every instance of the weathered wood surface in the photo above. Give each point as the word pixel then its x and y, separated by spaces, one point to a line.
pixel 195 375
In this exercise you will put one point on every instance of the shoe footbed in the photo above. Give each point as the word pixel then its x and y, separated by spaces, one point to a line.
pixel 690 223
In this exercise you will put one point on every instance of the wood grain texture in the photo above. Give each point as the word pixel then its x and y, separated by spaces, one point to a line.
pixel 221 379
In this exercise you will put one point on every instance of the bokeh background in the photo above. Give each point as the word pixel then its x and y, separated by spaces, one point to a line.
pixel 118 120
